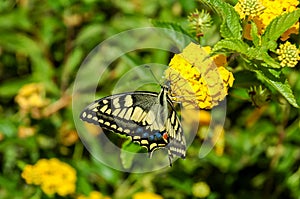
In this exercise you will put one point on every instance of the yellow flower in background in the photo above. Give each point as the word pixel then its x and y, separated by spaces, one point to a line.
pixel 31 97
pixel 25 131
pixel 93 195
pixel 52 175
pixel 67 135
pixel 275 8
pixel 263 12
pixel 249 8
pixel 218 140
pixel 146 195
pixel 196 80
pixel 201 190
pixel 288 54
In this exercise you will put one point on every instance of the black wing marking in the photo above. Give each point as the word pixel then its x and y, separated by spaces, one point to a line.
pixel 132 114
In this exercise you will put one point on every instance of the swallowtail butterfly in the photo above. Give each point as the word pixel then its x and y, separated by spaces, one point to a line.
pixel 149 118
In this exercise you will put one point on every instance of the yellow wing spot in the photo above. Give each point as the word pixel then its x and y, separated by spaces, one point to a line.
pixel 84 114
pixel 126 131
pixel 137 138
pixel 95 118
pixel 108 111
pixel 150 117
pixel 152 146
pixel 120 129
pixel 116 112
pixel 103 108
pixel 128 113
pixel 101 121
pixel 116 103
pixel 89 116
pixel 144 142
pixel 128 101
pixel 105 101
pixel 121 115
pixel 176 126
pixel 113 126
pixel 137 113
pixel 173 117
pixel 107 123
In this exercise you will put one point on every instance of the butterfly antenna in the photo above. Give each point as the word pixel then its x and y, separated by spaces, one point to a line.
pixel 158 82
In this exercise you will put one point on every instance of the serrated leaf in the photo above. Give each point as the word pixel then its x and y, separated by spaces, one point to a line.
pixel 278 82
pixel 231 26
pixel 279 25
pixel 231 44
pixel 271 63
pixel 254 34
pixel 175 27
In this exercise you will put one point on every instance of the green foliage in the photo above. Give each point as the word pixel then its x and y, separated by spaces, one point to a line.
pixel 258 53
pixel 231 26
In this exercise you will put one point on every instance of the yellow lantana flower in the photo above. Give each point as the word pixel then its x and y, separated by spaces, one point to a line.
pixel 201 190
pixel 196 80
pixel 263 12
pixel 249 8
pixel 288 54
pixel 52 175
pixel 93 195
pixel 148 195
pixel 31 98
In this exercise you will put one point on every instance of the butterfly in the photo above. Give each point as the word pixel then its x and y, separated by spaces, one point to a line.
pixel 149 118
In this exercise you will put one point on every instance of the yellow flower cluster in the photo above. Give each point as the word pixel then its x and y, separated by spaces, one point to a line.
pixel 201 190
pixel 263 17
pixel 25 131
pixel 31 98
pixel 249 8
pixel 94 195
pixel 52 175
pixel 148 195
pixel 288 54
pixel 196 80
pixel 275 8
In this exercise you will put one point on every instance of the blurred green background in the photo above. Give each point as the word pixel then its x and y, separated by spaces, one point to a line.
pixel 45 41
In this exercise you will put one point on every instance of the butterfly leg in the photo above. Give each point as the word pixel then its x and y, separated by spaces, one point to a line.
pixel 170 157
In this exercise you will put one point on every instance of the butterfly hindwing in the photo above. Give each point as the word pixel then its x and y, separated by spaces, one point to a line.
pixel 141 115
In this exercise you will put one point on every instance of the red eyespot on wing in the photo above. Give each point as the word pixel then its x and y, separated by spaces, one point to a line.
pixel 165 136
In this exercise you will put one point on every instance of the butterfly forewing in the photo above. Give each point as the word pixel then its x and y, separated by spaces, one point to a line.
pixel 146 117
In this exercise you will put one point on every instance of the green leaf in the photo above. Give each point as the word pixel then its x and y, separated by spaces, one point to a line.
pixel 17 19
pixel 175 27
pixel 254 34
pixel 9 89
pixel 43 70
pixel 279 25
pixel 73 61
pixel 231 26
pixel 87 33
pixel 232 45
pixel 275 79
pixel 128 152
pixel 271 63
